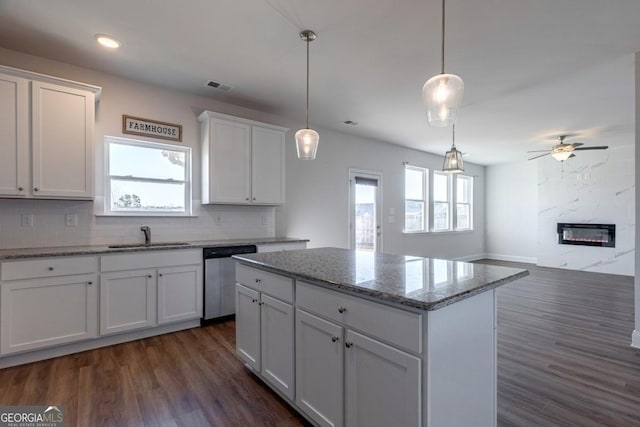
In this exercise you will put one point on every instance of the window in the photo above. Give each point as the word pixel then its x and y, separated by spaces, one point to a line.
pixel 441 201
pixel 464 199
pixel 415 195
pixel 145 178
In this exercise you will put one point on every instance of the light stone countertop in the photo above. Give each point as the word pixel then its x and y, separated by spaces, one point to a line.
pixel 423 283
pixel 9 254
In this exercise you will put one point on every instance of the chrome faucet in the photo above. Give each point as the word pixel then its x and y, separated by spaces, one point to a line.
pixel 147 234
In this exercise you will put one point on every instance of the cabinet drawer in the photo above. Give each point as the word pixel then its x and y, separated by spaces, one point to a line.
pixel 150 259
pixel 48 267
pixel 395 326
pixel 271 284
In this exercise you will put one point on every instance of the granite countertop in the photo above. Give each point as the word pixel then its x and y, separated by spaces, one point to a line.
pixel 423 283
pixel 8 254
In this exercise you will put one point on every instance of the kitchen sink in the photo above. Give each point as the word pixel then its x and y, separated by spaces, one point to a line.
pixel 150 245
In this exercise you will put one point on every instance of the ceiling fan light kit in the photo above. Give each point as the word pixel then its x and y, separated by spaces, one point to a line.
pixel 442 94
pixel 562 152
pixel 307 139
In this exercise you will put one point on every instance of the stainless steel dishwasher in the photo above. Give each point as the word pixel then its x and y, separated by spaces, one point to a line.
pixel 220 279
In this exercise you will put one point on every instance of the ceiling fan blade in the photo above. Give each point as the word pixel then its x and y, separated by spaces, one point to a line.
pixel 537 151
pixel 575 144
pixel 572 155
pixel 597 147
pixel 541 155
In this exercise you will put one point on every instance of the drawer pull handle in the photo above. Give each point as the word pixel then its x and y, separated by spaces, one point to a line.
pixel 335 339
pixel 50 268
pixel 254 300
pixel 258 280
pixel 348 344
pixel 341 310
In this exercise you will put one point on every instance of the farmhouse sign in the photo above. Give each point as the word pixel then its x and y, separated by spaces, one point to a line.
pixel 152 128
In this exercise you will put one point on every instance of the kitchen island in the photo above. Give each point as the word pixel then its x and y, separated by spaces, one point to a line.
pixel 369 339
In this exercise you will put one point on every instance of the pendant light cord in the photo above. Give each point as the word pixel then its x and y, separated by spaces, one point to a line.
pixel 308 82
pixel 453 145
pixel 442 49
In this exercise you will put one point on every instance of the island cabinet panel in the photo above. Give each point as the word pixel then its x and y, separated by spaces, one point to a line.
pixel 382 384
pixel 272 284
pixel 319 369
pixel 248 326
pixel 276 325
pixel 395 326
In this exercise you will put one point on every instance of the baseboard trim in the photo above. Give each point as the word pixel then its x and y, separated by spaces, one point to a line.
pixel 501 257
pixel 635 339
pixel 474 257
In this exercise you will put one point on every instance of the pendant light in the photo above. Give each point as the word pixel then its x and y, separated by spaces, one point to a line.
pixel 453 158
pixel 307 139
pixel 442 94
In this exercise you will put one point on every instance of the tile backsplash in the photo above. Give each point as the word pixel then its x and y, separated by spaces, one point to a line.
pixel 34 223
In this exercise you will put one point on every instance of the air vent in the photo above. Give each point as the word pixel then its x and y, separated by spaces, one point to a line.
pixel 350 122
pixel 219 86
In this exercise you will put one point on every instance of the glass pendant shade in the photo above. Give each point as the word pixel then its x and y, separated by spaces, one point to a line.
pixel 453 161
pixel 307 143
pixel 561 156
pixel 442 95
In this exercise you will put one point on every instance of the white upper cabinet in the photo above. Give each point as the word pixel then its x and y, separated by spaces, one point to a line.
pixel 242 161
pixel 46 131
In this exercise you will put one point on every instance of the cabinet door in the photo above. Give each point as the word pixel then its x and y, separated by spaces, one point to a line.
pixel 382 384
pixel 179 293
pixel 39 313
pixel 127 301
pixel 267 166
pixel 230 162
pixel 62 141
pixel 248 326
pixel 277 344
pixel 14 136
pixel 319 369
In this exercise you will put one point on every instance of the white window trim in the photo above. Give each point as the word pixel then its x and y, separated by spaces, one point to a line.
pixel 424 200
pixel 470 203
pixel 449 202
pixel 139 143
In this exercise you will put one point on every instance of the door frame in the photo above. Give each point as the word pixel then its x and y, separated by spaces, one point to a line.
pixel 371 174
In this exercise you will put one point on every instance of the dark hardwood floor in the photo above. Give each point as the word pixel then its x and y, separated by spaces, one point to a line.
pixel 563 360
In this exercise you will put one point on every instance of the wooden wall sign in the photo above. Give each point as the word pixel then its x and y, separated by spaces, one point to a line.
pixel 151 128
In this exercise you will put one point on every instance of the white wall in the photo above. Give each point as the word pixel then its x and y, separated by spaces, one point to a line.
pixel 512 212
pixel 595 187
pixel 316 192
pixel 635 341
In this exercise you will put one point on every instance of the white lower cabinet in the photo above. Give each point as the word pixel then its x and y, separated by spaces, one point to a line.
pixel 319 369
pixel 264 337
pixel 43 312
pixel 127 301
pixel 150 295
pixel 382 384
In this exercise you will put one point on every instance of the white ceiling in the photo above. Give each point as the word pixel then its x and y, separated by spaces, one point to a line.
pixel 532 69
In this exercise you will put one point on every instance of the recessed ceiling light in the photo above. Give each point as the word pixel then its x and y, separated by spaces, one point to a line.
pixel 108 41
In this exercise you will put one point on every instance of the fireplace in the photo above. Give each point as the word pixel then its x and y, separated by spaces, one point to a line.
pixel 587 234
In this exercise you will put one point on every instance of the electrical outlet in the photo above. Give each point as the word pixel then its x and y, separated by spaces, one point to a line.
pixel 218 220
pixel 27 220
pixel 71 220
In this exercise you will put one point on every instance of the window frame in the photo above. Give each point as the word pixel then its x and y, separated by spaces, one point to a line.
pixel 448 202
pixel 187 181
pixel 469 203
pixel 424 200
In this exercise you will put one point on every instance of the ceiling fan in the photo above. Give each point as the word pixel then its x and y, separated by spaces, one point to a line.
pixel 562 151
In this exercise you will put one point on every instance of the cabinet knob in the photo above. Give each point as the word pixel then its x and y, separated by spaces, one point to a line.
pixel 160 274
pixel 254 198
pixel 90 282
pixel 348 344
pixel 36 189
pixel 258 280
pixel 261 303
pixel 341 310
pixel 149 276
pixel 50 268
pixel 247 198
pixel 20 189
pixel 254 300
pixel 335 339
